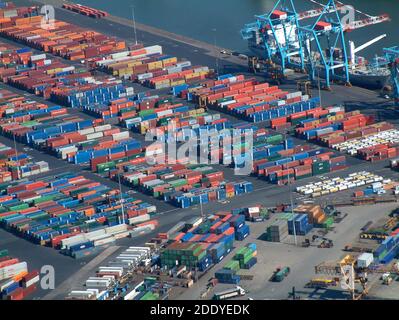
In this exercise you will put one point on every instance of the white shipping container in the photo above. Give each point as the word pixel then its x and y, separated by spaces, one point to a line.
pixel 145 76
pixel 365 260
pixel 86 131
pixel 147 249
pixel 82 294
pixel 104 241
pixel 103 128
pixel 157 49
pixel 253 210
pixel 120 136
pixel 66 243
pixel 138 219
pixel 226 103
pixel 95 233
pixel 131 295
pixel 98 283
pixel 115 229
pixel 113 270
pixel 164 113
pixel 13 270
pixel 33 37
pixel 120 54
pixel 38 57
pixel 183 64
pixel 31 281
pixel 95 135
pixel 6 284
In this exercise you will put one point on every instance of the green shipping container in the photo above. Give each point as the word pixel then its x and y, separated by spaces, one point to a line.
pixel 3 253
pixel 19 207
pixel 104 167
pixel 146 112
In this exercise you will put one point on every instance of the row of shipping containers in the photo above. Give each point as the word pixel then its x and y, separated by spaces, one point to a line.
pixel 245 258
pixel 16 282
pixel 106 284
pixel 85 10
pixel 269 149
pixel 59 38
pixel 106 148
pixel 179 184
pixel 378 188
pixel 350 132
pixel 71 212
pixel 205 242
pixel 388 250
pixel 333 185
pixel 53 79
pixel 70 137
pixel 149 66
pixel 247 98
pixel 16 165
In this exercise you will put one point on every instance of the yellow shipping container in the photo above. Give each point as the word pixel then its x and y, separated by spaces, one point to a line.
pixel 203 73
pixel 177 83
pixel 155 65
pixel 134 63
pixel 192 75
pixel 169 61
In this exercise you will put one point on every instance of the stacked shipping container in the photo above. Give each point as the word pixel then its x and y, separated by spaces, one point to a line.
pixel 16 282
pixel 206 243
pixel 61 38
pixel 151 67
pixel 247 98
pixel 69 212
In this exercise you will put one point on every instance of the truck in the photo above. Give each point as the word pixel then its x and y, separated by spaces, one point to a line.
pixel 280 274
pixel 230 293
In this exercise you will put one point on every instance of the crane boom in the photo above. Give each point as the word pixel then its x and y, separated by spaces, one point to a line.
pixel 353 50
pixel 369 43
pixel 366 22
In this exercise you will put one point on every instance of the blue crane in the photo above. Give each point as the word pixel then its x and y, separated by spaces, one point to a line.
pixel 392 55
pixel 332 61
pixel 276 35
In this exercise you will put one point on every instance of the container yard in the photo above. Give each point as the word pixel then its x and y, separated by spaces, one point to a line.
pixel 85 10
pixel 285 185
pixel 71 213
pixel 17 282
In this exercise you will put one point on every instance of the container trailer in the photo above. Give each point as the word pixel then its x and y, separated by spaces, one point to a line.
pixel 230 293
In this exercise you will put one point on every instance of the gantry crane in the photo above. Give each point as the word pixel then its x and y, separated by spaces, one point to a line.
pixel 349 274
pixel 392 55
pixel 332 53
pixel 279 38
pixel 278 32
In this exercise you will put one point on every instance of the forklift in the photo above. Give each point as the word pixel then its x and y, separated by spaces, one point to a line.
pixel 325 243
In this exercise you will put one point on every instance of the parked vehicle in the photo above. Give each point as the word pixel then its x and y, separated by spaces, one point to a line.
pixel 280 274
pixel 230 293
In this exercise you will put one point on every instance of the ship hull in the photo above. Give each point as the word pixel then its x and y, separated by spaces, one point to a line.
pixel 368 81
